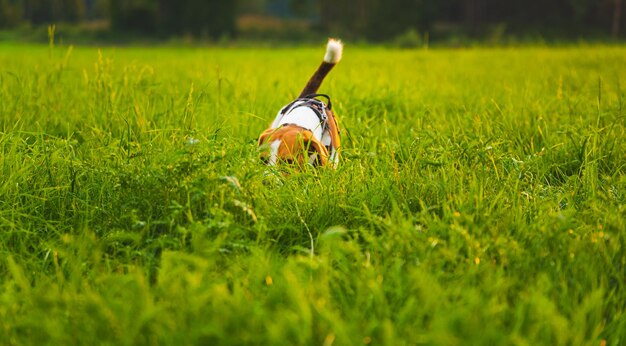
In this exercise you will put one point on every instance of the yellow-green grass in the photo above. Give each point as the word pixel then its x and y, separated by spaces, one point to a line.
pixel 481 198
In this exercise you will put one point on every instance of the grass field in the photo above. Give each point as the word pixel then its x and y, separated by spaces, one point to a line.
pixel 481 198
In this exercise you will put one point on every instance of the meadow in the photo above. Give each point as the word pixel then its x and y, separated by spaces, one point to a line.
pixel 480 199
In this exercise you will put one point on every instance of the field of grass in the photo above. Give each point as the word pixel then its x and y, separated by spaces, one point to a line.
pixel 481 198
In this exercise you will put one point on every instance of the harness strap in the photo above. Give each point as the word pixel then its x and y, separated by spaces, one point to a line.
pixel 318 107
pixel 333 129
pixel 313 96
pixel 331 123
pixel 324 113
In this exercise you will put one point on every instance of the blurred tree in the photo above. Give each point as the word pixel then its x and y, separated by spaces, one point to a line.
pixel 213 18
pixel 37 11
pixel 96 9
pixel 617 15
pixel 206 18
pixel 47 11
pixel 348 19
pixel 303 8
pixel 11 12
pixel 252 6
pixel 374 20
pixel 134 15
pixel 391 18
pixel 68 10
pixel 377 19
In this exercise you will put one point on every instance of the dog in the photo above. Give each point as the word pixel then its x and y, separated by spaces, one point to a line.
pixel 305 131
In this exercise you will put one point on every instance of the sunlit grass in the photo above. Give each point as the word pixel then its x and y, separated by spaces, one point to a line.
pixel 480 198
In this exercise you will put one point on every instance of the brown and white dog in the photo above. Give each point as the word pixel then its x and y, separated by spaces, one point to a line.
pixel 305 131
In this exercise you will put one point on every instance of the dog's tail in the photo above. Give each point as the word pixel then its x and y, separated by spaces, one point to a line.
pixel 334 48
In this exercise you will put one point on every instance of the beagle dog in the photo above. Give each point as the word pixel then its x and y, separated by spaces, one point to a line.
pixel 305 131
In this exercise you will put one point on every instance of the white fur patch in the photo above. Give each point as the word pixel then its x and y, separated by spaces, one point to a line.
pixel 334 48
pixel 303 117
pixel 273 152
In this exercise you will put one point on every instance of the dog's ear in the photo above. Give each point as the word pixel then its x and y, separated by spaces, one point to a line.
pixel 315 147
pixel 265 136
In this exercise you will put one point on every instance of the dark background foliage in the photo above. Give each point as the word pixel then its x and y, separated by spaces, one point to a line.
pixel 372 20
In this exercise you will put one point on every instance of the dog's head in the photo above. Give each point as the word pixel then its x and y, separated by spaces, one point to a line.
pixel 292 144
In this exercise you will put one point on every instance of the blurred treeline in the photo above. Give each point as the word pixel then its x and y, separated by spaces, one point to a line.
pixel 371 20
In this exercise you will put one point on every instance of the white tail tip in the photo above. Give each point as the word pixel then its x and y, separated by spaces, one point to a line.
pixel 334 48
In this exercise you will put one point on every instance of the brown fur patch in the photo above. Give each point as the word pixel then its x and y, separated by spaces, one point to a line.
pixel 296 144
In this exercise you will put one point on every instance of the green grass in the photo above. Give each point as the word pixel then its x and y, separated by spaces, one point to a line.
pixel 481 199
